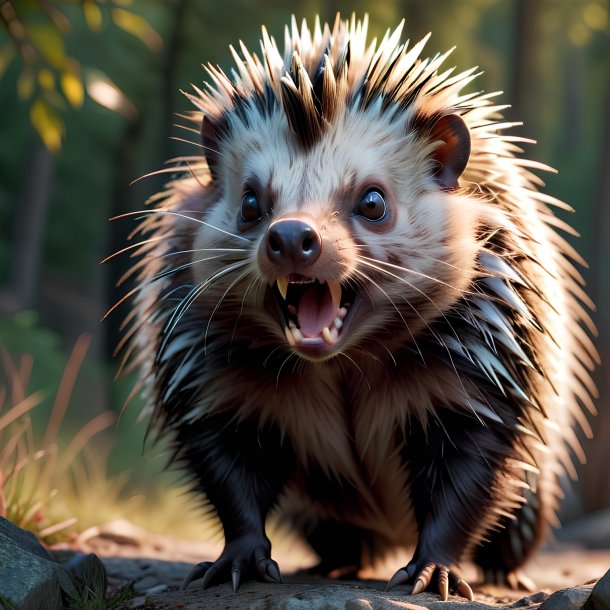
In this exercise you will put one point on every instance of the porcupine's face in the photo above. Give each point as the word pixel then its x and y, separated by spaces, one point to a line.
pixel 356 240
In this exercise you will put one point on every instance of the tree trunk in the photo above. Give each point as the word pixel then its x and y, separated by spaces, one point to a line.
pixel 29 226
pixel 596 480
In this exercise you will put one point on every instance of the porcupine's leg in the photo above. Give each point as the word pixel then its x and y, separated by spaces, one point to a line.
pixel 506 549
pixel 451 469
pixel 242 470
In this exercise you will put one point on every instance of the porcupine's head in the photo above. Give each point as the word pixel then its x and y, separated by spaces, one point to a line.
pixel 337 172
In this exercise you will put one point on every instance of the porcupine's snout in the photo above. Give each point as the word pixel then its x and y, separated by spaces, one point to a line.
pixel 311 303
pixel 292 244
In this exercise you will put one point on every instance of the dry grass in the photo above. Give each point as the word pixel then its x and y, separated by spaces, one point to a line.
pixel 56 486
pixel 31 470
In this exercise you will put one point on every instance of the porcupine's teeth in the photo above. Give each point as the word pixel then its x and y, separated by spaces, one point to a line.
pixel 330 336
pixel 335 292
pixel 290 336
pixel 282 285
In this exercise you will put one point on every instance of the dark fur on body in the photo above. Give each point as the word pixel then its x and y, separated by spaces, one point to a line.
pixel 436 420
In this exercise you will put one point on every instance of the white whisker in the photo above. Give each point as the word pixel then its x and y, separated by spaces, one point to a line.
pixel 143 213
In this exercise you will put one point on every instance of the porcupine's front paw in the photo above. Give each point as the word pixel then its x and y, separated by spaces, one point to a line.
pixel 422 574
pixel 244 558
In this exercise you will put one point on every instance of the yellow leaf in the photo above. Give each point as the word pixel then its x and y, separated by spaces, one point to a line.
pixel 7 52
pixel 25 84
pixel 72 86
pixel 138 26
pixel 48 43
pixel 93 15
pixel 47 123
pixel 46 79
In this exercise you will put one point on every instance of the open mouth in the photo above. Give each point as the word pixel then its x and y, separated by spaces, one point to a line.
pixel 314 311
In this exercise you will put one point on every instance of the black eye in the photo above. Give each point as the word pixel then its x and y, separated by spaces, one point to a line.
pixel 372 206
pixel 250 208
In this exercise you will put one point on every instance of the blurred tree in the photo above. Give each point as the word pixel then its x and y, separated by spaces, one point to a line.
pixel 50 81
pixel 552 57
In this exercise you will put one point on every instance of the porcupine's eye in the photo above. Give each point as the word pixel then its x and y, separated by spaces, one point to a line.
pixel 250 210
pixel 372 206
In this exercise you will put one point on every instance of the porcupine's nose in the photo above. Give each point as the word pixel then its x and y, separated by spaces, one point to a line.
pixel 295 241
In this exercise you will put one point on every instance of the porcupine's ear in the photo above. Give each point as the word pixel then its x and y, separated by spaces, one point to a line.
pixel 452 155
pixel 211 136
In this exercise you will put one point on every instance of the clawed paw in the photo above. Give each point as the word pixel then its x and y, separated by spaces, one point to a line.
pixel 239 561
pixel 514 579
pixel 445 580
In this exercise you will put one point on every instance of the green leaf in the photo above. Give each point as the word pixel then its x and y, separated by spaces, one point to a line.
pixel 93 15
pixel 138 26
pixel 47 123
pixel 46 79
pixel 48 43
pixel 7 52
pixel 72 86
pixel 25 84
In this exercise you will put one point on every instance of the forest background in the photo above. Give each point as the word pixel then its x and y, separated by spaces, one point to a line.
pixel 88 95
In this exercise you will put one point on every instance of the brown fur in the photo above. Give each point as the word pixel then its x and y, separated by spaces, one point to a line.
pixel 460 286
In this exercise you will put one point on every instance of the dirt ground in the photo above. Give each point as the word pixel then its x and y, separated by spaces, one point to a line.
pixel 157 564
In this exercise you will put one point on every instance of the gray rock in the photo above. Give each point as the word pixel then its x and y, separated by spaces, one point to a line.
pixel 600 596
pixel 30 579
pixel 567 599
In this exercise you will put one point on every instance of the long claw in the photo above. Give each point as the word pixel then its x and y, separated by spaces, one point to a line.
pixel 195 574
pixel 208 577
pixel 443 584
pixel 273 571
pixel 418 587
pixel 464 590
pixel 236 579
pixel 423 578
pixel 518 581
pixel 399 578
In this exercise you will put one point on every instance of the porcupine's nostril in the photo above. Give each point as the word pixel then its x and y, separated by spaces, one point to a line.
pixel 293 241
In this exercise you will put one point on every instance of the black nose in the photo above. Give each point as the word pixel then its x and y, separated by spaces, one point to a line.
pixel 293 241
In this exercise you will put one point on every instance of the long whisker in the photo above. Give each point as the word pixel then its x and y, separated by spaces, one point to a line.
pixel 435 335
pixel 286 360
pixel 131 247
pixel 216 307
pixel 194 250
pixel 193 294
pixel 159 276
pixel 408 270
pixel 342 353
pixel 241 310
pixel 377 285
pixel 366 262
pixel 143 213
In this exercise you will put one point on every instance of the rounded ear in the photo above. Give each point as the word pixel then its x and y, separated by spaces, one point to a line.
pixel 211 136
pixel 452 155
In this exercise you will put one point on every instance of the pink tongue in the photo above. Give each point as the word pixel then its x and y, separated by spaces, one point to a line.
pixel 316 310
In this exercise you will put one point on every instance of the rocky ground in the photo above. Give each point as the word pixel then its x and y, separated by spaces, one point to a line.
pixel 565 574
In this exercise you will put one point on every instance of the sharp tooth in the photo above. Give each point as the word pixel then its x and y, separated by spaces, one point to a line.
pixel 338 322
pixel 297 334
pixel 291 325
pixel 335 292
pixel 282 285
pixel 342 313
pixel 334 334
pixel 327 336
pixel 290 337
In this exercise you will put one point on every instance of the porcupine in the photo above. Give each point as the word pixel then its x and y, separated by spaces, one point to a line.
pixel 356 308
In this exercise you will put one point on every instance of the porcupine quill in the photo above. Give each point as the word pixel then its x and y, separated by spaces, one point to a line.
pixel 355 308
